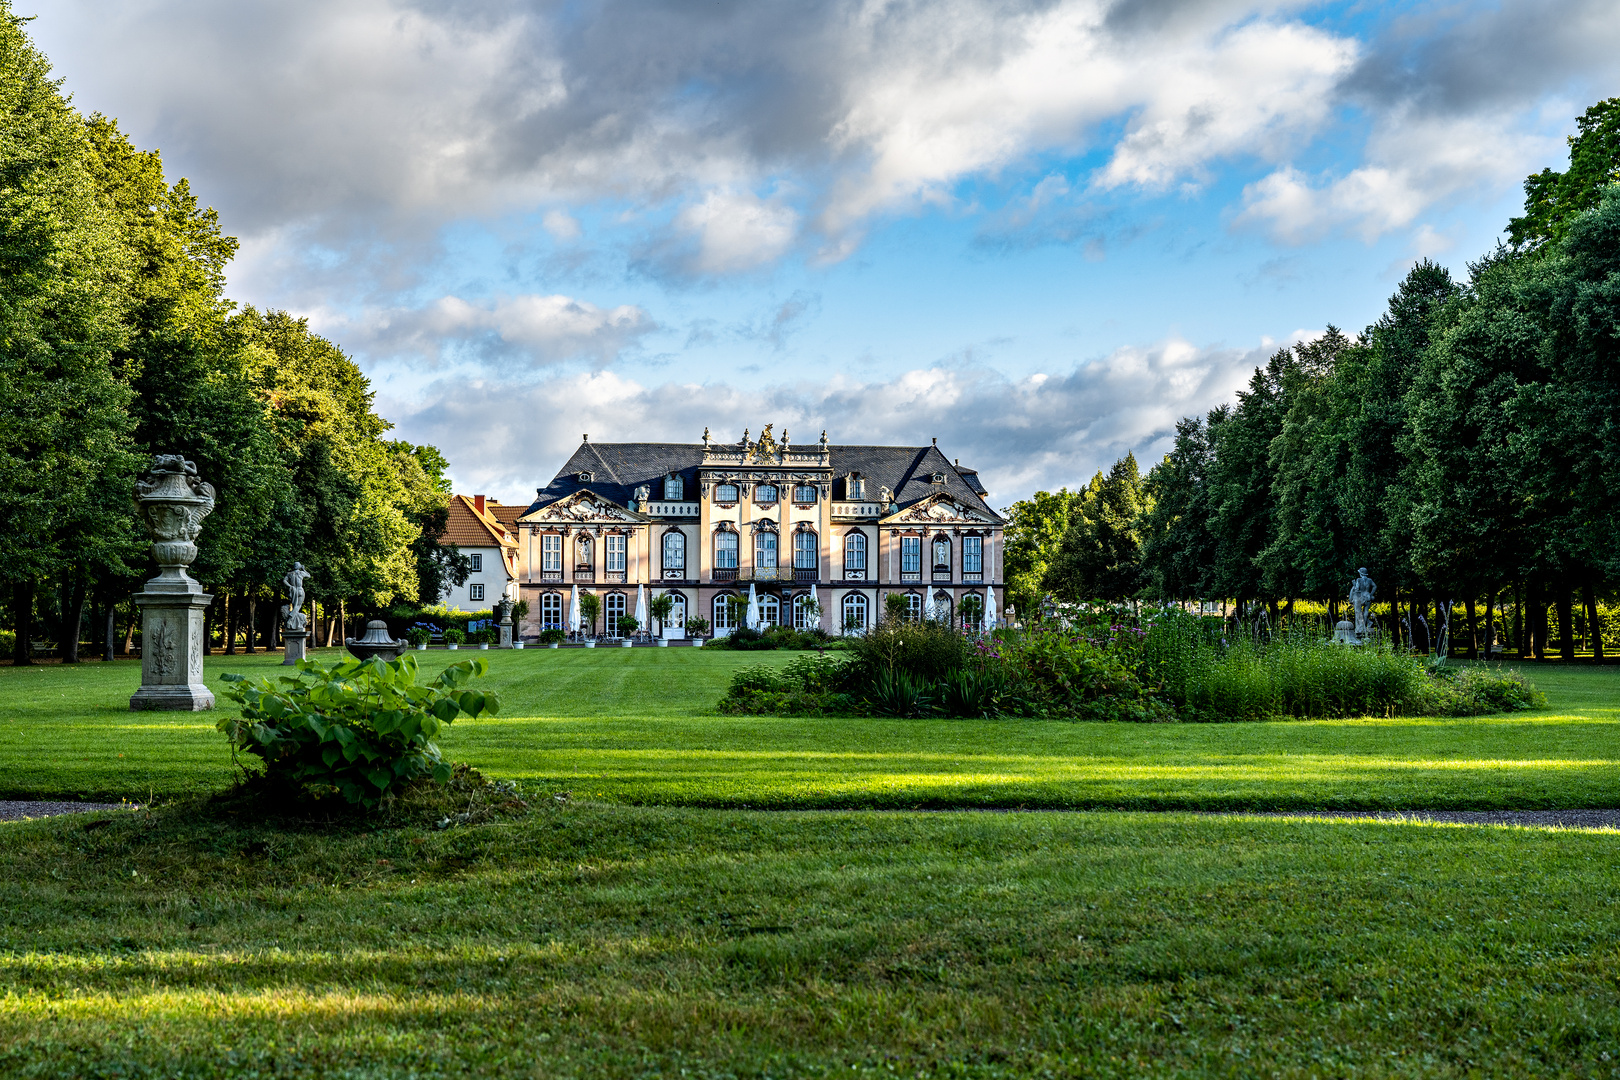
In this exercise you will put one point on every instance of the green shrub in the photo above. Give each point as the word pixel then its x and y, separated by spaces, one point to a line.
pixel 1473 691
pixel 898 693
pixel 455 635
pixel 697 625
pixel 553 636
pixel 357 728
pixel 418 635
pixel 925 650
pixel 1064 674
pixel 8 642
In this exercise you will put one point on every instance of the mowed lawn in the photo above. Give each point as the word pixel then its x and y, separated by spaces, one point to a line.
pixel 638 726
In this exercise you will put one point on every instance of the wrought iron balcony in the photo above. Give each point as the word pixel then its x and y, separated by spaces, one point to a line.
pixel 724 573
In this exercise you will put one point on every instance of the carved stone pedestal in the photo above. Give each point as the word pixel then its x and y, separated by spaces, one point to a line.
pixel 172 652
pixel 294 641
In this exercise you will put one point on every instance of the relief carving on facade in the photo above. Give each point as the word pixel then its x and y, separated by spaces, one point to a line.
pixel 940 510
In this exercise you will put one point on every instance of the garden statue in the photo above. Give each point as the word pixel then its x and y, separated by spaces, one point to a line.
pixel 172 501
pixel 1362 591
pixel 294 627
pixel 503 615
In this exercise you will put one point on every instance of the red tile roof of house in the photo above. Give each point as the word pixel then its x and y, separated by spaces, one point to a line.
pixel 473 523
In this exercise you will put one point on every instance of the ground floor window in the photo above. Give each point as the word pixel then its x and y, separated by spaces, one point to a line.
pixel 475 592
pixel 613 607
pixel 770 611
pixel 942 606
pixel 914 607
pixel 804 618
pixel 677 610
pixel 551 611
pixel 854 613
pixel 725 612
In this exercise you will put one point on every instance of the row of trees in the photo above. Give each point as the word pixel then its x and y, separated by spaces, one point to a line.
pixel 1465 445
pixel 117 342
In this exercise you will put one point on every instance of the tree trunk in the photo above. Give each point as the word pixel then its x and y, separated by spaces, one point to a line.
pixel 231 615
pixel 1395 616
pixel 1490 624
pixel 1473 631
pixel 22 611
pixel 208 625
pixel 1593 626
pixel 1566 623
pixel 1532 623
pixel 73 621
pixel 1518 620
pixel 110 634
pixel 129 632
pixel 252 623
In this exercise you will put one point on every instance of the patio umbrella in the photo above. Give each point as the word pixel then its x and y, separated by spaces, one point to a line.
pixel 989 609
pixel 930 609
pixel 751 620
pixel 814 602
pixel 573 612
pixel 641 606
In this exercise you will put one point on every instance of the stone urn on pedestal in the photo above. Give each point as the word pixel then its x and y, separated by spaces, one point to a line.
pixel 173 500
pixel 503 614
pixel 376 642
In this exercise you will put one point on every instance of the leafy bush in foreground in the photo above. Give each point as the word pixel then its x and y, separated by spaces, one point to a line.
pixel 358 728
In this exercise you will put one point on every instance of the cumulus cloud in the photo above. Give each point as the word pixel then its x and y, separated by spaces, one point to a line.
pixel 529 330
pixel 1022 434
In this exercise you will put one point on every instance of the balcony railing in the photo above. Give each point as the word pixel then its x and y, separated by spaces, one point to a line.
pixel 942 575
pixel 805 575
pixel 614 575
pixel 857 508
pixel 659 508
pixel 910 575
pixel 584 575
pixel 551 575
pixel 976 576
pixel 725 573
pixel 802 576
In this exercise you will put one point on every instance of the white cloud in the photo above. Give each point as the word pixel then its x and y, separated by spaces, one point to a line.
pixel 533 330
pixel 736 231
pixel 561 226
pixel 1046 430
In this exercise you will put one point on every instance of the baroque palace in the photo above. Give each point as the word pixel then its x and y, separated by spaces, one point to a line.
pixel 705 521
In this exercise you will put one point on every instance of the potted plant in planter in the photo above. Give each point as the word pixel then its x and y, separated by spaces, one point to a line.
pixel 419 636
pixel 590 606
pixel 627 626
pixel 553 637
pixel 697 626
pixel 660 608
pixel 453 637
pixel 482 637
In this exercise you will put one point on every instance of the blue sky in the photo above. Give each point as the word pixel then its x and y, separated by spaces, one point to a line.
pixel 1039 231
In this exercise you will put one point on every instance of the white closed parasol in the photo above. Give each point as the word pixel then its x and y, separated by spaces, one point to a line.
pixel 989 609
pixel 573 612
pixel 641 607
pixel 751 619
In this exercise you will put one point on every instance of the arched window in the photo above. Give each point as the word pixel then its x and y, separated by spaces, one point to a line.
pixel 942 607
pixel 804 550
pixel 765 550
pixel 855 554
pixel 914 607
pixel 725 493
pixel 582 554
pixel 770 611
pixel 804 493
pixel 803 617
pixel 725 550
pixel 613 608
pixel 765 493
pixel 855 608
pixel 674 488
pixel 675 554
pixel 551 611
pixel 942 556
pixel 726 610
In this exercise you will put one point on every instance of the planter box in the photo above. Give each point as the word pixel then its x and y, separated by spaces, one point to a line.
pixel 663 643
pixel 590 644
pixel 421 648
pixel 484 645
pixel 625 644
pixel 452 646
pixel 555 644
pixel 517 644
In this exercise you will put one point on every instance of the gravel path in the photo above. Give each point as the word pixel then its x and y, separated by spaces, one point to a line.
pixel 22 811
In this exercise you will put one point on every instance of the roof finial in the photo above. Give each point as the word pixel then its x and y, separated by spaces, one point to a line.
pixel 936 440
pixel 705 435
pixel 745 437
pixel 585 437
pixel 824 438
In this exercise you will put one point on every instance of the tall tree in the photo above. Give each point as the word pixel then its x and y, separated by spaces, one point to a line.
pixel 1553 199
pixel 1100 555
pixel 1178 549
pixel 1035 526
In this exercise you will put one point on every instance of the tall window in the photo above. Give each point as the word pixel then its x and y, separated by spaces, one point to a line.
pixel 725 551
pixel 765 493
pixel 770 611
pixel 674 488
pixel 725 613
pixel 854 614
pixel 942 607
pixel 551 611
pixel 942 555
pixel 725 493
pixel 911 554
pixel 613 606
pixel 855 551
pixel 477 563
pixel 972 554
pixel 804 493
pixel 804 551
pixel 582 554
pixel 551 552
pixel 765 549
pixel 803 617
pixel 615 551
pixel 914 607
pixel 675 552
pixel 677 610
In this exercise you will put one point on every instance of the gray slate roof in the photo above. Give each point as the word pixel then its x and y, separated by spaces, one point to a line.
pixel 619 468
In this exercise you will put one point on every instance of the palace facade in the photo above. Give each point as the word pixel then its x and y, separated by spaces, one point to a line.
pixel 704 521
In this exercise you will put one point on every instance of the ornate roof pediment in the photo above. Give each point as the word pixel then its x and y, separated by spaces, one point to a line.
pixel 581 506
pixel 940 509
